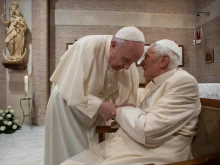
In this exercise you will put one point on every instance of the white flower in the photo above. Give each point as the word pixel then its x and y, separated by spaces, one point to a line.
pixel 15 121
pixel 14 127
pixel 6 111
pixel 9 107
pixel 1 111
pixel 5 122
pixel 1 118
pixel 12 111
pixel 9 123
pixel 8 115
pixel 2 128
pixel 3 114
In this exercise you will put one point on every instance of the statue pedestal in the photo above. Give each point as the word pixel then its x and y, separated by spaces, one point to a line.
pixel 15 65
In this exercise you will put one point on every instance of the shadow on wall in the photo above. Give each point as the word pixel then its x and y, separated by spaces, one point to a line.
pixel 28 42
pixel 35 112
pixel 16 81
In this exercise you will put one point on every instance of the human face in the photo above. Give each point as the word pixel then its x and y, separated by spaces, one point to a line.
pixel 152 64
pixel 121 57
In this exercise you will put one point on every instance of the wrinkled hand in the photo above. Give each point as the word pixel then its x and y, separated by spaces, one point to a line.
pixel 107 110
pixel 127 104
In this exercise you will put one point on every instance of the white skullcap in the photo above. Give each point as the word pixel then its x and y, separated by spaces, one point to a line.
pixel 130 33
pixel 169 44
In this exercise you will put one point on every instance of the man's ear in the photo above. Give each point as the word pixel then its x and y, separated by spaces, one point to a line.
pixel 112 46
pixel 165 61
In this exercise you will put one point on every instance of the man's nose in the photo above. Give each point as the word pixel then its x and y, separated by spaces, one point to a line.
pixel 126 66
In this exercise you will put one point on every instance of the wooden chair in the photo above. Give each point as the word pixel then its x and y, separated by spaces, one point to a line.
pixel 101 130
pixel 209 159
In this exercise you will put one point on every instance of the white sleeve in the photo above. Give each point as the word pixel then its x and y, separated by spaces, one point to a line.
pixel 91 105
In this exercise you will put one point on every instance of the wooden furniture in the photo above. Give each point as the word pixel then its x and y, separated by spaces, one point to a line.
pixel 210 102
pixel 209 159
pixel 101 130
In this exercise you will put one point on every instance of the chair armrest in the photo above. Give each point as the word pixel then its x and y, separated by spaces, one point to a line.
pixel 105 129
pixel 101 130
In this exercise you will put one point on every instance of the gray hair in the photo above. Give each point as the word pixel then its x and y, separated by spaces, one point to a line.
pixel 161 51
pixel 118 41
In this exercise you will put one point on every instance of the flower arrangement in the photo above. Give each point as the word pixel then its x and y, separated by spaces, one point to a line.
pixel 8 122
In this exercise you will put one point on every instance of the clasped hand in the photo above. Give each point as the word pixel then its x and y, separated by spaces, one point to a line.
pixel 108 110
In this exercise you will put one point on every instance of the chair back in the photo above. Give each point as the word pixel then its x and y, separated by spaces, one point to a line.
pixel 207 139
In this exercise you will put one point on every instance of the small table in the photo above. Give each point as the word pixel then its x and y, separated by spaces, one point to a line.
pixel 30 110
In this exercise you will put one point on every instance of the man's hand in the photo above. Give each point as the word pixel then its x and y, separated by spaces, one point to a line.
pixel 107 110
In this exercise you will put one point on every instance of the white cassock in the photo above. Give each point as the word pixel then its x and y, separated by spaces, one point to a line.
pixel 83 80
pixel 159 132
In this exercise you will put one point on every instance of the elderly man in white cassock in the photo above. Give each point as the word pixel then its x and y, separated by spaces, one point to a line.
pixel 161 128
pixel 88 84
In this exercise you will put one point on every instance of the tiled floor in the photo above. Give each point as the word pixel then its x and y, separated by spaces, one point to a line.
pixel 24 147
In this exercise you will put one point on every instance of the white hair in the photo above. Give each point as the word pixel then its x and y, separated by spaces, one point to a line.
pixel 118 41
pixel 161 51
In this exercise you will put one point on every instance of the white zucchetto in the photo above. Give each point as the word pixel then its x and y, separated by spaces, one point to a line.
pixel 169 44
pixel 130 33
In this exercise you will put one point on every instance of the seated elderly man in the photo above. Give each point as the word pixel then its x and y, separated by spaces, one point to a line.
pixel 160 130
